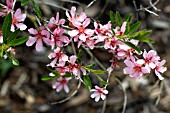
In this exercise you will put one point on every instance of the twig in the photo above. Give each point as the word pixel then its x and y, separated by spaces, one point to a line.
pixel 125 95
pixel 159 97
pixel 14 4
pixel 104 106
pixel 68 98
pixel 103 9
pixel 91 3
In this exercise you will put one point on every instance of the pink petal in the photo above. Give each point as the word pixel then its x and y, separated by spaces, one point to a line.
pixel 159 75
pixel 123 28
pixel 129 63
pixel 97 98
pixel 82 37
pixel 12 28
pixel 127 70
pixel 31 41
pixel 73 33
pixel 73 59
pixel 46 33
pixel 66 88
pixel 17 12
pixel 64 57
pixel 89 32
pixel 21 26
pixel 105 92
pixel 47 40
pixel 62 21
pixel 59 88
pixel 9 3
pixel 57 18
pixel 32 31
pixel 39 45
pixel 86 22
pixel 73 11
pixel 82 17
pixel 144 70
pixel 83 70
pixel 103 96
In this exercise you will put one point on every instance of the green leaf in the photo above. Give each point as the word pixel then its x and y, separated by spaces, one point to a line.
pixel 133 46
pixel 87 82
pixel 24 2
pixel 96 72
pixel 13 35
pixel 15 62
pixel 128 17
pixel 18 41
pixel 45 78
pixel 118 19
pixel 6 27
pixel 80 53
pixel 37 9
pixel 101 80
pixel 134 27
pixel 68 75
pixel 91 66
pixel 112 19
pixel 127 29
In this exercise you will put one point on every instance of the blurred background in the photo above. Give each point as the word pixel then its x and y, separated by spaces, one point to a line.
pixel 21 88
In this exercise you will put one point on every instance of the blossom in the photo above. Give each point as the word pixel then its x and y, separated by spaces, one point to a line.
pixel 135 68
pixel 160 69
pixel 150 58
pixel 57 55
pixel 82 32
pixel 120 31
pixel 58 38
pixel 98 93
pixel 8 8
pixel 41 35
pixel 75 68
pixel 61 84
pixel 17 19
pixel 55 22
pixel 1 37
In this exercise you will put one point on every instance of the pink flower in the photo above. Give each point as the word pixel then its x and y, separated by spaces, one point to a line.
pixel 135 68
pixel 8 8
pixel 150 58
pixel 81 30
pixel 160 69
pixel 60 84
pixel 17 19
pixel 55 22
pixel 74 17
pixel 58 38
pixel 98 93
pixel 122 29
pixel 75 68
pixel 58 55
pixel 40 36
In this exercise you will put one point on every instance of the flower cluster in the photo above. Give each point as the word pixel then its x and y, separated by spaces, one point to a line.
pixel 113 39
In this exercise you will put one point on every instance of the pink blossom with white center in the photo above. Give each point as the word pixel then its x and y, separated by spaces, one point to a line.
pixel 57 55
pixel 98 93
pixel 7 9
pixel 40 36
pixel 160 69
pixel 61 84
pixel 74 17
pixel 75 68
pixel 150 58
pixel 55 22
pixel 57 39
pixel 81 30
pixel 17 19
pixel 135 68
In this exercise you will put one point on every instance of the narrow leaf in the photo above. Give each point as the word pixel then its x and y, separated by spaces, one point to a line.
pixel 118 19
pixel 134 27
pixel 133 46
pixel 18 41
pixel 24 2
pixel 87 82
pixel 44 78
pixel 13 35
pixel 96 72
pixel 15 62
pixel 68 75
pixel 6 27
pixel 101 80
pixel 37 9
pixel 128 17
pixel 80 53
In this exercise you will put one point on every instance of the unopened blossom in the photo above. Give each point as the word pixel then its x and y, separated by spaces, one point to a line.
pixel 17 19
pixel 74 17
pixel 61 84
pixel 135 68
pixel 39 37
pixel 58 38
pixel 75 68
pixel 160 69
pixel 150 58
pixel 57 55
pixel 81 32
pixel 1 37
pixel 98 93
pixel 6 9
pixel 55 22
